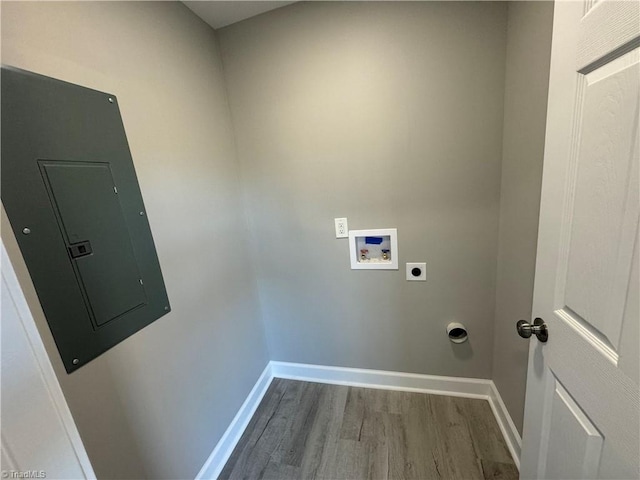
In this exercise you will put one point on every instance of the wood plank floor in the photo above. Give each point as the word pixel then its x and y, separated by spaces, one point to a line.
pixel 304 430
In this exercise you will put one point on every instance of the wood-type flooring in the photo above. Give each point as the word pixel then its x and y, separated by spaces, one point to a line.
pixel 305 430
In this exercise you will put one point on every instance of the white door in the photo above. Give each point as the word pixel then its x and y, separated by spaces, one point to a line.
pixel 39 437
pixel 582 408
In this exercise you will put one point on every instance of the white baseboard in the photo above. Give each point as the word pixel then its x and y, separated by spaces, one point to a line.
pixel 358 377
pixel 223 450
pixel 507 427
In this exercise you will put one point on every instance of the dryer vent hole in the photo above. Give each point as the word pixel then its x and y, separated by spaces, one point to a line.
pixel 457 333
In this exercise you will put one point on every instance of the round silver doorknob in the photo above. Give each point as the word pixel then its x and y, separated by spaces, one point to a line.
pixel 539 329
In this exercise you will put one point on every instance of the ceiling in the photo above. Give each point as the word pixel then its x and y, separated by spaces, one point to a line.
pixel 220 14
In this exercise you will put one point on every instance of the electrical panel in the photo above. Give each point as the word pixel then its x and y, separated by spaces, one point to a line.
pixel 70 191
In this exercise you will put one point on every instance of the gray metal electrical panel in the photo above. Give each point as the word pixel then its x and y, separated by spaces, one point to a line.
pixel 71 194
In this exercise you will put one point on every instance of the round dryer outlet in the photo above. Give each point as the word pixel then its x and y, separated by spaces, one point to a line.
pixel 417 272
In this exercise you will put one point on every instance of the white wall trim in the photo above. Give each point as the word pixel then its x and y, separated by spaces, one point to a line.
pixel 49 386
pixel 223 450
pixel 359 377
pixel 382 379
pixel 508 428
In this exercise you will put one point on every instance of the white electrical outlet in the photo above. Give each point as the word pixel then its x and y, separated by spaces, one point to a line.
pixel 342 230
pixel 417 272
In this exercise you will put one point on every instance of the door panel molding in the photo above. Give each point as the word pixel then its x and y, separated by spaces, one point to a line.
pixel 609 29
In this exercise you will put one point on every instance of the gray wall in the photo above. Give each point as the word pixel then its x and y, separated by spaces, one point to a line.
pixel 389 114
pixel 155 405
pixel 525 109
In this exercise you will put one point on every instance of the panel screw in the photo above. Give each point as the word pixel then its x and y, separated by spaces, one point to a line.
pixel 166 309
pixel 142 214
pixel 75 361
pixel 26 231
pixel 110 100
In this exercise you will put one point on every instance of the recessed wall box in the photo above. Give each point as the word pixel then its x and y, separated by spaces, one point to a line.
pixel 72 197
pixel 374 249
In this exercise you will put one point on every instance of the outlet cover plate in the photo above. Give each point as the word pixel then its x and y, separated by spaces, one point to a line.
pixel 422 277
pixel 342 229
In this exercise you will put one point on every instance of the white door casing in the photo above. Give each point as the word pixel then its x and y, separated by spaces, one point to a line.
pixel 39 436
pixel 582 412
